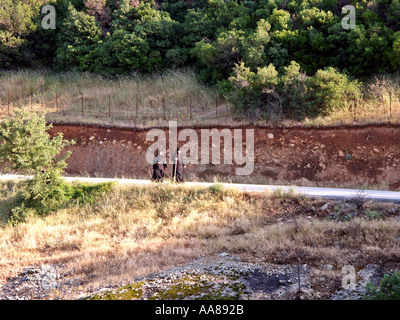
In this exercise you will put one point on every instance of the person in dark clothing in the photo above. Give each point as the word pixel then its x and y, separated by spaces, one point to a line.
pixel 159 166
pixel 177 168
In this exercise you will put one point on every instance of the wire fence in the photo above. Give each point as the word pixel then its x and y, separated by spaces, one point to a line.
pixel 110 107
pixel 371 111
pixel 138 110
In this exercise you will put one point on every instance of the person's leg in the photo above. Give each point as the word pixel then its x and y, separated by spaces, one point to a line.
pixel 179 177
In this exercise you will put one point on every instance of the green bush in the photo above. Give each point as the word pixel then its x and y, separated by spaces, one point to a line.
pixel 87 192
pixel 77 39
pixel 372 214
pixel 395 56
pixel 62 195
pixel 123 52
pixel 16 25
pixel 294 91
pixel 20 214
pixel 389 288
pixel 217 188
pixel 291 92
pixel 27 148
pixel 328 89
pixel 308 32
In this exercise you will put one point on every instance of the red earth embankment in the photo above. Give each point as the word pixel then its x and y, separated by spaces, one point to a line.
pixel 339 156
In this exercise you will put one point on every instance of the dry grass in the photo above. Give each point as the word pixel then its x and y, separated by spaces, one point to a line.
pixel 136 230
pixel 317 242
pixel 302 182
pixel 127 101
pixel 153 101
pixel 379 103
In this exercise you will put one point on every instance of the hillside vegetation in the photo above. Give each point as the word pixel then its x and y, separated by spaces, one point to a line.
pixel 270 59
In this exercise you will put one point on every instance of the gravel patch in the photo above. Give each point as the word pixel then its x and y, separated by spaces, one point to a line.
pixel 221 276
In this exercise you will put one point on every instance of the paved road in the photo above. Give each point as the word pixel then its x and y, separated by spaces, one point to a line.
pixel 328 193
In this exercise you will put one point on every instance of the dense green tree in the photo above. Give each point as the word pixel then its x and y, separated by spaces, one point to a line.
pixel 219 57
pixel 16 23
pixel 314 17
pixel 77 39
pixel 369 49
pixel 306 31
pixel 124 53
pixel 179 8
pixel 393 14
pixel 255 45
pixel 395 56
pixel 280 20
pixel 27 146
pixel 209 21
pixel 157 29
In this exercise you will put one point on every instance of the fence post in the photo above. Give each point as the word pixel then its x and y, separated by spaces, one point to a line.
pixel 190 106
pixel 216 106
pixel 82 102
pixel 109 105
pixel 354 107
pixel 8 101
pixel 56 102
pixel 31 100
pixel 137 104
pixel 390 105
pixel 163 103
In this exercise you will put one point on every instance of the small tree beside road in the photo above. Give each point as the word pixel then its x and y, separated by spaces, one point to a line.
pixel 26 147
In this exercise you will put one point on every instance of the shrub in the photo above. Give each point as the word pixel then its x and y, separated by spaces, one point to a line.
pixel 26 145
pixel 63 195
pixel 77 39
pixel 217 189
pixel 372 214
pixel 328 89
pixel 87 192
pixel 294 91
pixel 291 92
pixel 16 23
pixel 396 51
pixel 123 52
pixel 254 90
pixel 389 288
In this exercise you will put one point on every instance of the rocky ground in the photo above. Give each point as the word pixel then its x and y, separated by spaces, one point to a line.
pixel 222 276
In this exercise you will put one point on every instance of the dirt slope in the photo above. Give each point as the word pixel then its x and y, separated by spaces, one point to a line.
pixel 340 156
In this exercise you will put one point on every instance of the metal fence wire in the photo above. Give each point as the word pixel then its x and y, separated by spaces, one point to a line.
pixel 136 110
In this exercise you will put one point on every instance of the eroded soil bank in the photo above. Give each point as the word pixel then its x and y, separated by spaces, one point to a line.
pixel 340 156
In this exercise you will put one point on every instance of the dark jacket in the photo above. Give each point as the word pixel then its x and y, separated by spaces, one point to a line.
pixel 159 166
